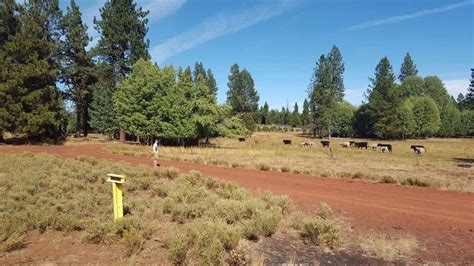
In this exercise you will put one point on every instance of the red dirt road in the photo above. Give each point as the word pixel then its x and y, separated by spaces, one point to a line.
pixel 442 221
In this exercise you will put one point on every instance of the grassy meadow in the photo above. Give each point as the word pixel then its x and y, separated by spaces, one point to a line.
pixel 446 165
pixel 172 217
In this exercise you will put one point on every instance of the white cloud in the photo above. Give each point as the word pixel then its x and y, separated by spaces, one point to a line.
pixel 217 26
pixel 161 8
pixel 395 19
pixel 456 86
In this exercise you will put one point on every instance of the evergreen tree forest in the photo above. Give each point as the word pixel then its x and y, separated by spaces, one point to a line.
pixel 54 83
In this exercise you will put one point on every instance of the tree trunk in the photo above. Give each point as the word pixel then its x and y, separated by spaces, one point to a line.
pixel 78 122
pixel 121 135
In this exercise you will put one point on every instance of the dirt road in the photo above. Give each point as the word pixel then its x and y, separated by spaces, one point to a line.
pixel 442 221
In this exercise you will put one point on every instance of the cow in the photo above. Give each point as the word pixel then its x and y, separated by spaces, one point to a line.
pixel 389 146
pixel 241 139
pixel 287 141
pixel 306 144
pixel 382 148
pixel 373 146
pixel 345 144
pixel 419 150
pixel 413 147
pixel 351 143
pixel 361 145
pixel 325 143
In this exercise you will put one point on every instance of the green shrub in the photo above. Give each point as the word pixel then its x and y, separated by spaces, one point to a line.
pixel 322 232
pixel 204 242
pixel 282 201
pixel 263 223
pixel 324 211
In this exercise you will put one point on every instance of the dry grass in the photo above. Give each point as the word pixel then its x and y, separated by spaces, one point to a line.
pixel 201 220
pixel 388 248
pixel 265 151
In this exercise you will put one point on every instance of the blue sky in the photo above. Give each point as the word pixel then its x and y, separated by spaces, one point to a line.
pixel 278 41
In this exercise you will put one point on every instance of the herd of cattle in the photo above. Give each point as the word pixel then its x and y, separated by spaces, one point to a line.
pixel 380 147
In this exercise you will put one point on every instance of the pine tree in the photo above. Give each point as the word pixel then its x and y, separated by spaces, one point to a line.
pixel 295 118
pixel 133 99
pixel 383 100
pixel 322 97
pixel 199 70
pixel 337 71
pixel 408 68
pixel 78 68
pixel 412 86
pixel 122 43
pixel 9 23
pixel 31 103
pixel 342 121
pixel 103 114
pixel 469 101
pixel 211 82
pixel 242 95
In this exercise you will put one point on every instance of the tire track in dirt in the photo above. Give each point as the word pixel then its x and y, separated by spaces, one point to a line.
pixel 442 221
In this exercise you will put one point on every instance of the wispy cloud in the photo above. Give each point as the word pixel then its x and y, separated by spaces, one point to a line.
pixel 161 8
pixel 220 25
pixel 395 19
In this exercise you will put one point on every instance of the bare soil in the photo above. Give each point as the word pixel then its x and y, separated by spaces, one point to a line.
pixel 442 221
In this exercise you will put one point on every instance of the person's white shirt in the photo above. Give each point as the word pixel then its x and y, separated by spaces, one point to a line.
pixel 155 148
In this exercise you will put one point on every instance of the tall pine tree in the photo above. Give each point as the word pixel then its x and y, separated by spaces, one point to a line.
pixel 408 68
pixel 242 95
pixel 78 68
pixel 383 100
pixel 122 28
pixel 31 103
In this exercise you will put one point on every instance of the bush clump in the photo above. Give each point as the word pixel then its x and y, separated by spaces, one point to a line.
pixel 203 242
pixel 323 230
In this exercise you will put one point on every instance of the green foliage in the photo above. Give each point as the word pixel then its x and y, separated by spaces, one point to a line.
pixel 342 121
pixel 122 30
pixel 323 230
pixel 295 117
pixel 242 95
pixel 426 115
pixel 451 124
pixel 407 69
pixel 412 86
pixel 326 90
pixel 135 97
pixel 305 116
pixel 264 111
pixel 467 121
pixel 103 115
pixel 204 242
pixel 383 100
pixel 30 103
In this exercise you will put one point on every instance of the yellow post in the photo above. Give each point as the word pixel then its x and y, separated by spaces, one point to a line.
pixel 117 181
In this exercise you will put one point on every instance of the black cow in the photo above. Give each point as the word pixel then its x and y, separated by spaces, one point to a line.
pixel 413 147
pixel 241 139
pixel 287 141
pixel 389 146
pixel 325 143
pixel 361 145
pixel 351 143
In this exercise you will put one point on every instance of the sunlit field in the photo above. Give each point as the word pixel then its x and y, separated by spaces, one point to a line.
pixel 446 165
pixel 169 217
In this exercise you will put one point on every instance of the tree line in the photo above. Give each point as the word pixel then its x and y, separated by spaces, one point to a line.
pixel 47 62
pixel 53 82
pixel 414 107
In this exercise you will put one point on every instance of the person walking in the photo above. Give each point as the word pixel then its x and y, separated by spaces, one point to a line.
pixel 155 154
